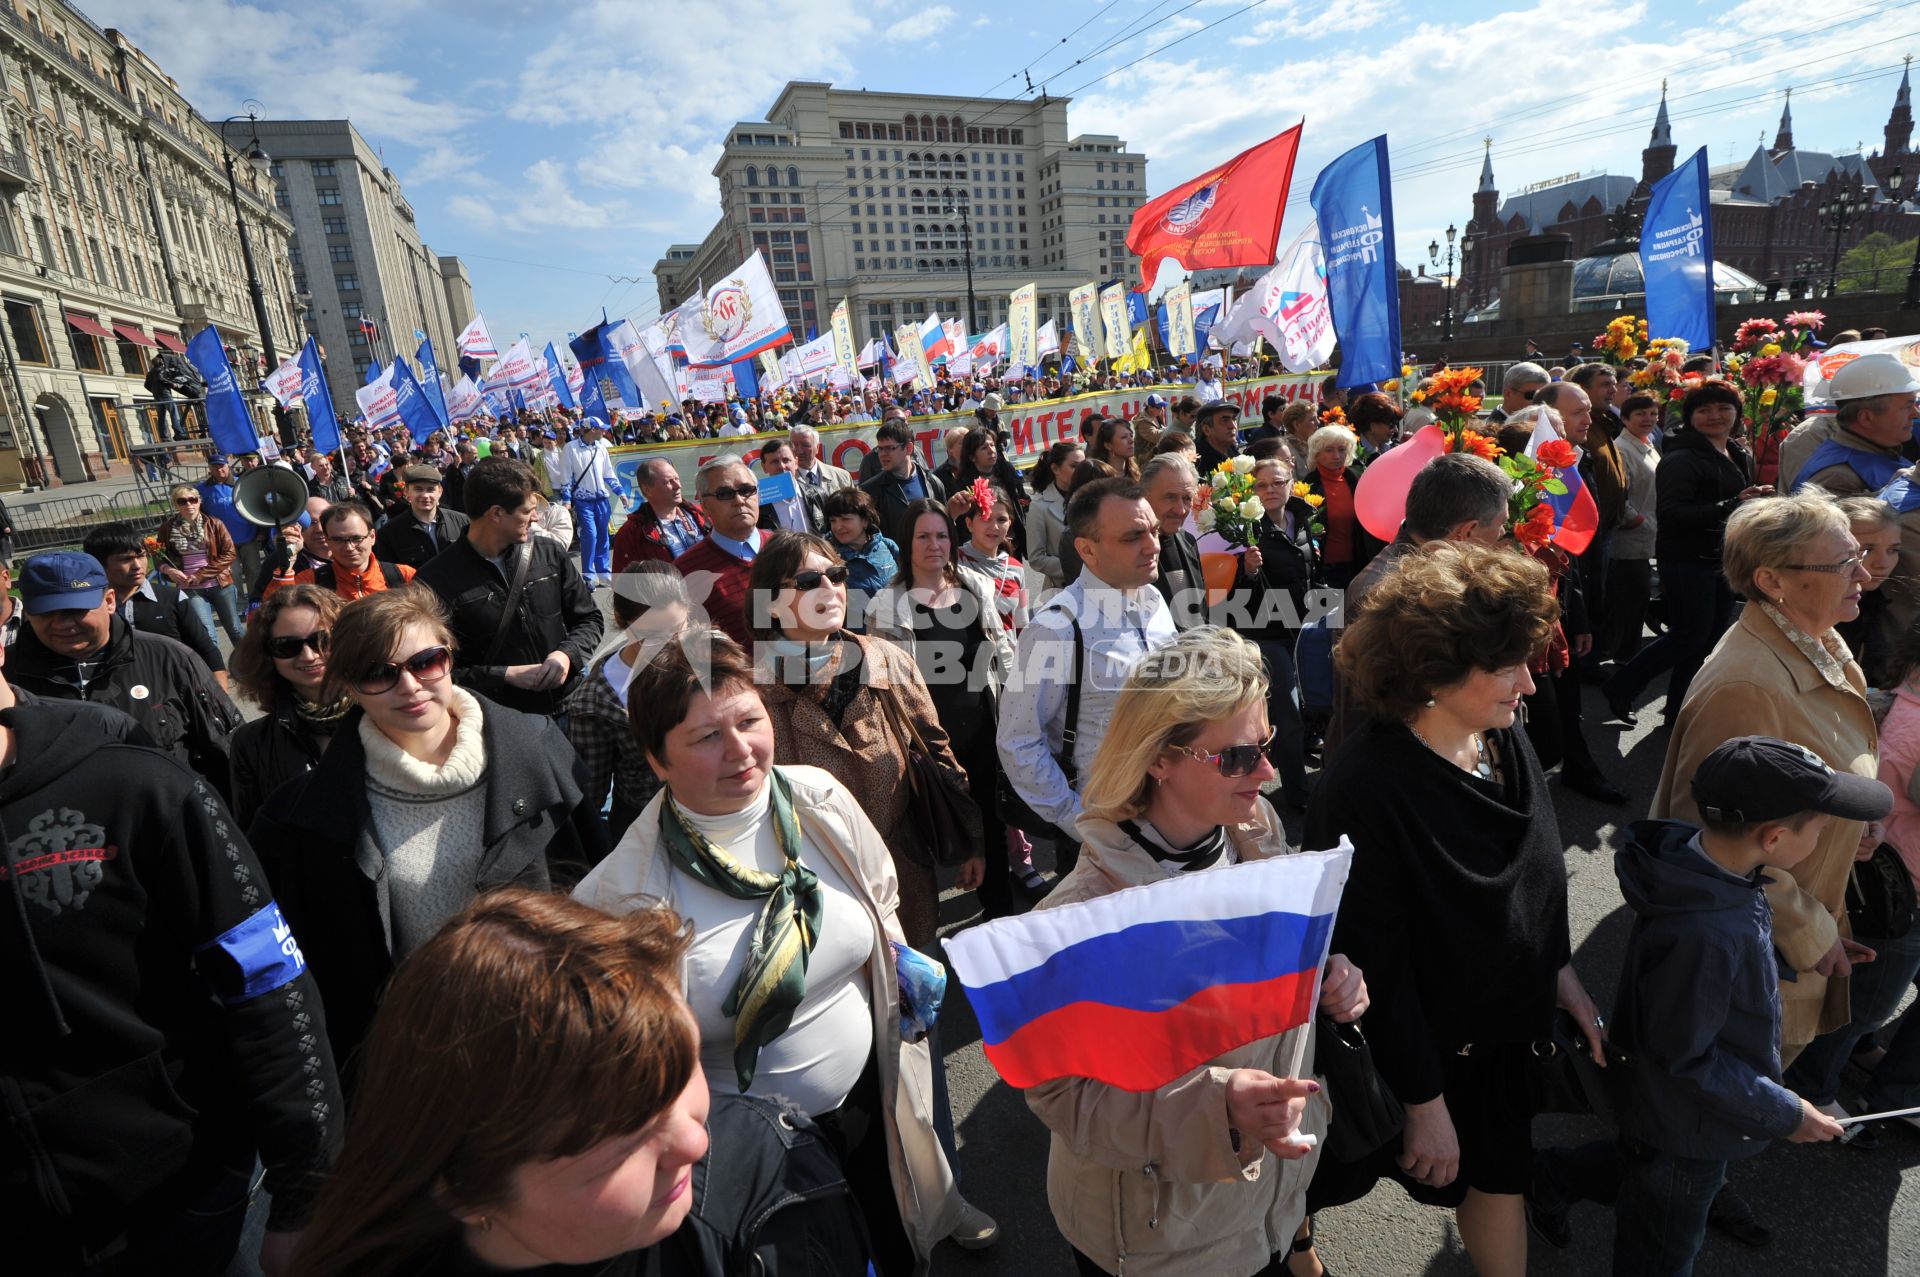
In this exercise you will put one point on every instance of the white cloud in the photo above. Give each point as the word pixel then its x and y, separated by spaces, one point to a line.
pixel 1333 18
pixel 919 26
pixel 541 200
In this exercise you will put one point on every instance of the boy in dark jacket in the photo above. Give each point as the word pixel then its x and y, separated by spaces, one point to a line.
pixel 1699 1006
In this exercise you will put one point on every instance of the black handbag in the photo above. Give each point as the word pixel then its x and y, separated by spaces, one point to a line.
pixel 1369 1115
pixel 1562 1077
pixel 1880 895
pixel 939 804
pixel 1013 809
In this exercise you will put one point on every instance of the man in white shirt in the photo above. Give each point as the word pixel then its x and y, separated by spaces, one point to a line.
pixel 1207 390
pixel 591 484
pixel 1121 617
pixel 814 474
pixel 797 513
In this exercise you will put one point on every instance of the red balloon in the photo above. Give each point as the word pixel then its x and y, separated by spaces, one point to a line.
pixel 1380 500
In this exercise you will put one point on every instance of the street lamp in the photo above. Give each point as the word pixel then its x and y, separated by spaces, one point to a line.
pixel 958 204
pixel 1433 256
pixel 261 162
pixel 1895 180
pixel 1836 214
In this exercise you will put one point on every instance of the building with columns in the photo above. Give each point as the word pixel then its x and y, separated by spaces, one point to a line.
pixel 1767 226
pixel 118 240
pixel 882 198
pixel 358 254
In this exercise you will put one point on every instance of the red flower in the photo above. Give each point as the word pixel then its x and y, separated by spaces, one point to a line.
pixel 1479 445
pixel 1557 453
pixel 1537 528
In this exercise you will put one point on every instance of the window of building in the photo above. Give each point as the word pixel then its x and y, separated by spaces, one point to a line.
pixel 132 359
pixel 324 168
pixel 347 283
pixel 86 349
pixel 333 225
pixel 328 196
pixel 23 320
pixel 140 276
pixel 339 252
pixel 74 264
pixel 773 176
pixel 280 199
pixel 352 310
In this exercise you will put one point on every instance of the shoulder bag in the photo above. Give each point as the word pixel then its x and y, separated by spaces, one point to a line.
pixel 939 804
pixel 1880 895
pixel 521 563
pixel 1370 1116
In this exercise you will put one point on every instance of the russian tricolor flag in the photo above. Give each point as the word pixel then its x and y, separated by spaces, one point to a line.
pixel 1140 987
pixel 1576 519
pixel 933 338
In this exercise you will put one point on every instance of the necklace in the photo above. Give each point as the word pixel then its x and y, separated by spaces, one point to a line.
pixel 1482 766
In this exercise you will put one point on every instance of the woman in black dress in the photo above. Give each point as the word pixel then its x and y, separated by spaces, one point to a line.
pixel 1457 905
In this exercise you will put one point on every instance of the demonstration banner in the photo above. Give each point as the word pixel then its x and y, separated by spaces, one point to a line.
pixel 1113 317
pixel 1083 306
pixel 842 326
pixel 283 383
pixel 1034 427
pixel 1021 309
pixel 557 379
pixel 742 317
pixel 1353 202
pixel 318 399
pixel 1676 256
pixel 430 379
pixel 1179 303
pixel 475 342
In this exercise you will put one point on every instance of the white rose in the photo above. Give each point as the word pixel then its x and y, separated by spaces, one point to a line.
pixel 1242 464
pixel 1204 520
pixel 1251 508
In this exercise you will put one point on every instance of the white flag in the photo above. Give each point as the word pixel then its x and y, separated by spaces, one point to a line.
pixel 463 401
pixel 743 316
pixel 475 342
pixel 283 383
pixel 1046 341
pixel 652 383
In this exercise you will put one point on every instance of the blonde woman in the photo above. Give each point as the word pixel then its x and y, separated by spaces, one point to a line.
pixel 196 554
pixel 1345 546
pixel 1194 1177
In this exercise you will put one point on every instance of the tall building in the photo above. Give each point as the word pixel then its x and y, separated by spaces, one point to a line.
pixel 358 254
pixel 881 198
pixel 117 240
pixel 1768 234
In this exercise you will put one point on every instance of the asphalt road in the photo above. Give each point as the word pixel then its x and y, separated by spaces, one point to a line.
pixel 1835 1211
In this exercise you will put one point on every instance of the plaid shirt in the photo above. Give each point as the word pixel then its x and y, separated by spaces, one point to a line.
pixel 597 726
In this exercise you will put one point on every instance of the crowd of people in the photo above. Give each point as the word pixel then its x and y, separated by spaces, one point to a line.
pixel 671 889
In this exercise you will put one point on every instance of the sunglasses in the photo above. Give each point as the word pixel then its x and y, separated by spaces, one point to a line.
pixel 811 578
pixel 739 492
pixel 288 646
pixel 429 666
pixel 186 500
pixel 1234 760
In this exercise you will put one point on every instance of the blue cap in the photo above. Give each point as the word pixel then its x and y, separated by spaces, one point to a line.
pixel 218 459
pixel 62 581
pixel 1156 401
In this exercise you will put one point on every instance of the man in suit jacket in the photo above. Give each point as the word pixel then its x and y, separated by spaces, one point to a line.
pixel 814 473
pixel 425 528
pixel 1172 486
pixel 800 512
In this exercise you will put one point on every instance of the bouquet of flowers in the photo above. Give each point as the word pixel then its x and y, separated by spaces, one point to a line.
pixel 1623 340
pixel 1533 479
pixel 1767 363
pixel 1661 377
pixel 1228 506
pixel 1317 522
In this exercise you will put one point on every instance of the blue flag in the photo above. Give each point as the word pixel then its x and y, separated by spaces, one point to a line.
pixel 228 422
pixel 430 381
pixel 1353 200
pixel 599 358
pixel 1137 308
pixel 557 379
pixel 416 414
pixel 592 402
pixel 1676 256
pixel 373 372
pixel 469 366
pixel 319 399
pixel 746 380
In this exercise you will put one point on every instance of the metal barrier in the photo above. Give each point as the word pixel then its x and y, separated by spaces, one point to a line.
pixel 66 521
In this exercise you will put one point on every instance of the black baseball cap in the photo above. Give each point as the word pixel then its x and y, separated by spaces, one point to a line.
pixel 1751 779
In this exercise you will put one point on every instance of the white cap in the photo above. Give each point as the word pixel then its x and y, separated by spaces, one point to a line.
pixel 1871 375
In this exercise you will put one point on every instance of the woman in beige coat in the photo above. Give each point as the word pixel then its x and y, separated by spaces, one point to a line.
pixel 1781 671
pixel 1197 1178
pixel 758 859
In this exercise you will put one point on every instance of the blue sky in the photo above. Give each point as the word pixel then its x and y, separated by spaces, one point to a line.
pixel 554 145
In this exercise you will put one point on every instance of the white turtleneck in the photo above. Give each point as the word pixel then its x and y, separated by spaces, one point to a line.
pixel 428 824
pixel 820 1056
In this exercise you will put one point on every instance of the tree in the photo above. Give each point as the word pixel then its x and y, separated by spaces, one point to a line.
pixel 1877 264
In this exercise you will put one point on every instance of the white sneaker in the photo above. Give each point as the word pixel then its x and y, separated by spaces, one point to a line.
pixel 976 1229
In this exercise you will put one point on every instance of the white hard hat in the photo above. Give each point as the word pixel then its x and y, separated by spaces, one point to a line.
pixel 1871 375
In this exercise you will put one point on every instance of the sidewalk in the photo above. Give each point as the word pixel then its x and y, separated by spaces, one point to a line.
pixel 98 492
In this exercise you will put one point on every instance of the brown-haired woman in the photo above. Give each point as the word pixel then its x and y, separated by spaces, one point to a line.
pixel 280 664
pixel 794 905
pixel 1113 443
pixel 1047 515
pixel 428 795
pixel 1457 905
pixel 610 1153
pixel 196 554
pixel 824 688
pixel 854 526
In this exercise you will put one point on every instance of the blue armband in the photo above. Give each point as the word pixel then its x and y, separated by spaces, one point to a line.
pixel 263 952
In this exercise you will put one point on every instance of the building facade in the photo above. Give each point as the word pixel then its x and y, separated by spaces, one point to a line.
pixel 882 198
pixel 358 254
pixel 117 240
pixel 1765 210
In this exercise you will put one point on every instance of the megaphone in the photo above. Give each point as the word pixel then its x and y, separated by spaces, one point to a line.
pixel 271 496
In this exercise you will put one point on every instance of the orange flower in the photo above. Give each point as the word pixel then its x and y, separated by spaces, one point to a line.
pixel 1557 453
pixel 1537 528
pixel 1479 445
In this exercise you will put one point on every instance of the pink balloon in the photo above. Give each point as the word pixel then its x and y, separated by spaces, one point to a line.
pixel 1380 500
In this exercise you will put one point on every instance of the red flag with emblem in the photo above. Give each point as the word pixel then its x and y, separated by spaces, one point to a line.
pixel 1228 216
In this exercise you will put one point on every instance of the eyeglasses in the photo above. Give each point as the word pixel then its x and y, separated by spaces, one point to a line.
pixel 1844 567
pixel 811 579
pixel 429 666
pixel 739 492
pixel 288 646
pixel 186 500
pixel 1234 760
pixel 362 539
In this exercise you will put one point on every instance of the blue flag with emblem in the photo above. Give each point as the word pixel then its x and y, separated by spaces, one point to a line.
pixel 229 423
pixel 430 380
pixel 319 399
pixel 410 402
pixel 745 379
pixel 1353 200
pixel 1676 255
pixel 557 380
pixel 592 402
pixel 599 359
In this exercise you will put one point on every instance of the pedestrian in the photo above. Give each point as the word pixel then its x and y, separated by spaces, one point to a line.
pixel 197 556
pixel 717 566
pixel 425 528
pixel 1346 547
pixel 353 569
pixel 1047 513
pixel 281 666
pixel 589 490
pixel 216 493
pixel 152 605
pixel 662 526
pixel 900 478
pixel 871 558
pixel 1630 567
pixel 1270 593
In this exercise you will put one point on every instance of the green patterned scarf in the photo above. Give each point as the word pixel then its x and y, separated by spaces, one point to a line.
pixel 774 979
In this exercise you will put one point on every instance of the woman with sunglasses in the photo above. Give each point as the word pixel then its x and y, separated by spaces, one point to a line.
pixel 427 796
pixel 823 686
pixel 280 664
pixel 196 554
pixel 1457 901
pixel 1196 1176
pixel 947 617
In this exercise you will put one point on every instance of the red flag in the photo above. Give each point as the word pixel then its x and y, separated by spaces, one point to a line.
pixel 1228 216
